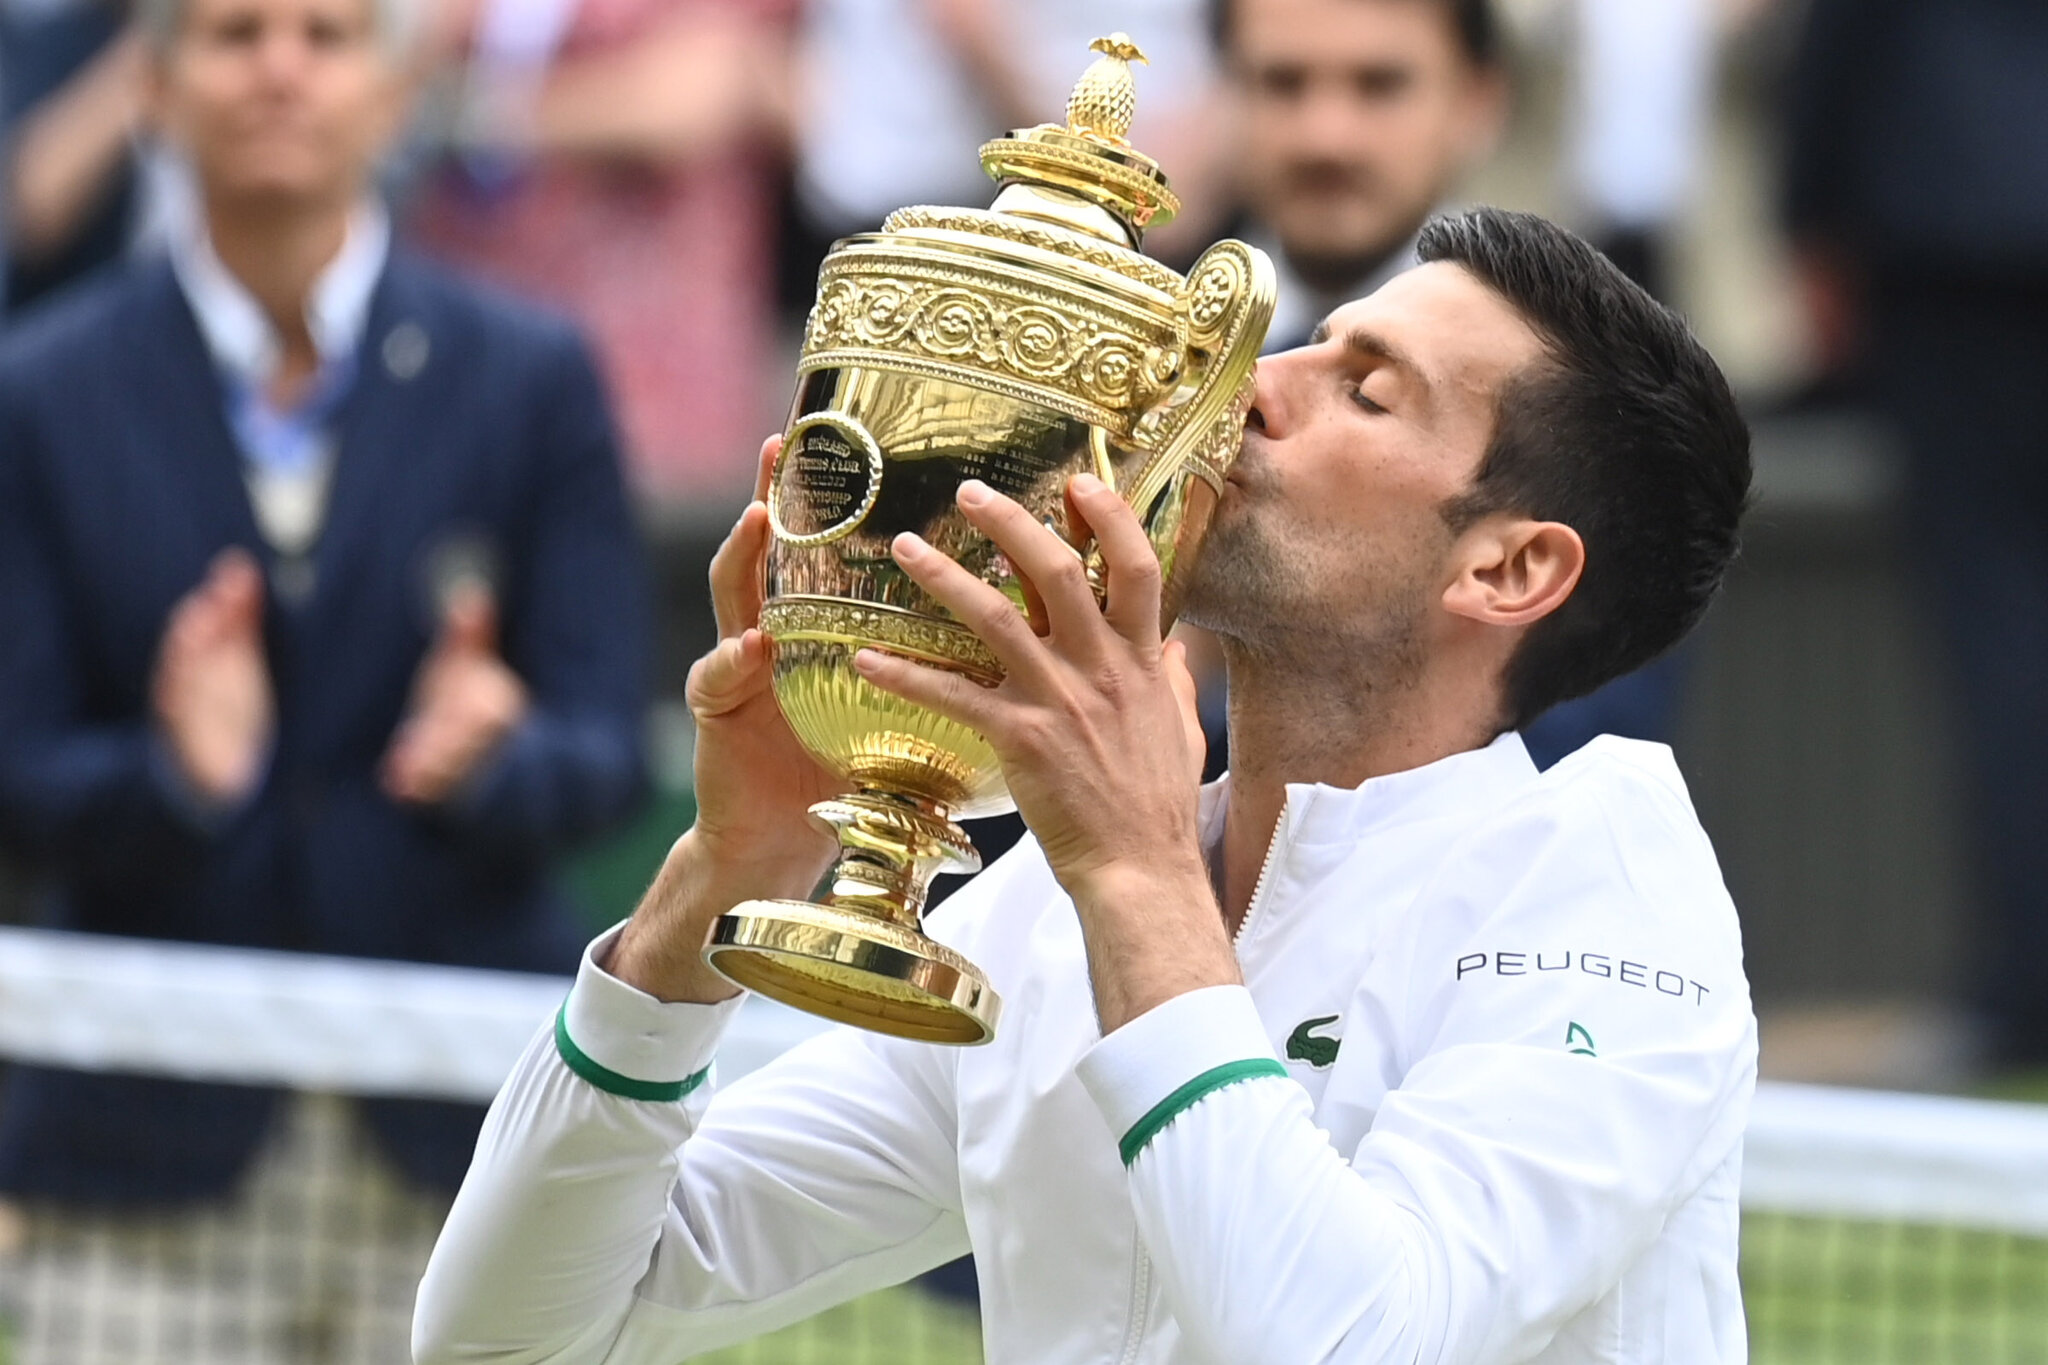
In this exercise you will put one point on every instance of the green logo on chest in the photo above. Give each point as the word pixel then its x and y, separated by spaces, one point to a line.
pixel 1304 1046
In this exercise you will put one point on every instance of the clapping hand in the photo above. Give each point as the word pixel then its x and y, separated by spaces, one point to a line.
pixel 211 691
pixel 465 701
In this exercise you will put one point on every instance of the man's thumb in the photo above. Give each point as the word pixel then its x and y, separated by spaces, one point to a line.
pixel 470 625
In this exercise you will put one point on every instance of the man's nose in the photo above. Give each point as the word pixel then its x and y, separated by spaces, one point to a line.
pixel 1329 121
pixel 1268 412
pixel 283 56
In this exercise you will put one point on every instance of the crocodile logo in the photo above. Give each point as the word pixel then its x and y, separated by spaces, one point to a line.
pixel 1303 1045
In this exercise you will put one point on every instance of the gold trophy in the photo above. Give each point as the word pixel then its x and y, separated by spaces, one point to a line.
pixel 1020 345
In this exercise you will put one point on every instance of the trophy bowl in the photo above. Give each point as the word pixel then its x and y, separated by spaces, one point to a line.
pixel 1018 345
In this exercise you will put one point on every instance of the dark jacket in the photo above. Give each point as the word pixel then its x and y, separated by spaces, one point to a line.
pixel 1917 135
pixel 119 482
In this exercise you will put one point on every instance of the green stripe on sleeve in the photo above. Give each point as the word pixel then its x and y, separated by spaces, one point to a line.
pixel 1185 1098
pixel 611 1082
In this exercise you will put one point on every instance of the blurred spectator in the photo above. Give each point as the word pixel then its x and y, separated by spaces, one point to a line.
pixel 614 158
pixel 1355 120
pixel 1643 92
pixel 71 91
pixel 1917 194
pixel 1359 117
pixel 323 626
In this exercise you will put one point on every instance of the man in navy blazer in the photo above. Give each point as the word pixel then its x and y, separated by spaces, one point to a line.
pixel 321 609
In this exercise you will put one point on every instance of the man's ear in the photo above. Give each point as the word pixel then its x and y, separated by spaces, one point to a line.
pixel 1512 571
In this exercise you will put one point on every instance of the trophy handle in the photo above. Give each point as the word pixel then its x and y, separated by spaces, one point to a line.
pixel 1227 303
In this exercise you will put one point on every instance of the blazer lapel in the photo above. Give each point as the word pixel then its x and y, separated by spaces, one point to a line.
pixel 380 425
pixel 188 422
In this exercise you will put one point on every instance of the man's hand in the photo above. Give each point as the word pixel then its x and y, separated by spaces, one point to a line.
pixel 753 837
pixel 1096 728
pixel 211 692
pixel 465 700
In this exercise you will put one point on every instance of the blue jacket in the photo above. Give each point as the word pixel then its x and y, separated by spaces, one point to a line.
pixel 119 482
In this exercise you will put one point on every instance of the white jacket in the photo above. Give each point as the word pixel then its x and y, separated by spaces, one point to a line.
pixel 1525 1149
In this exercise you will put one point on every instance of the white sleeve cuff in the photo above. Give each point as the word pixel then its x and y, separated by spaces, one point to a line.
pixel 627 1035
pixel 1134 1072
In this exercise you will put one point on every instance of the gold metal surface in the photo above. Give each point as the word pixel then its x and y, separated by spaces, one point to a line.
pixel 1019 345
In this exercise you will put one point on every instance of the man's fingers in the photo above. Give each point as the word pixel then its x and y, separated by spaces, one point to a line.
pixel 1181 678
pixel 764 470
pixel 1133 609
pixel 736 584
pixel 234 582
pixel 981 608
pixel 1042 558
pixel 947 693
pixel 733 673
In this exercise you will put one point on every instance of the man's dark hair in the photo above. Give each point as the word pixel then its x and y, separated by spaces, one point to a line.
pixel 1626 431
pixel 1472 21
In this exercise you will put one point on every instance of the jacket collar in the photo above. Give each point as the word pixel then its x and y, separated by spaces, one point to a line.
pixel 1467 783
pixel 243 344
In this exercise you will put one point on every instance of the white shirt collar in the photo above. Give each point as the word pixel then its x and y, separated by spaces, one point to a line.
pixel 243 343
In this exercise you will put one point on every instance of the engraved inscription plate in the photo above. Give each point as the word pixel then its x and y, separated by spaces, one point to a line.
pixel 826 479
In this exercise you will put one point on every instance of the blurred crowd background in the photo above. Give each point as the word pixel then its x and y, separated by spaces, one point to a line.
pixel 301 239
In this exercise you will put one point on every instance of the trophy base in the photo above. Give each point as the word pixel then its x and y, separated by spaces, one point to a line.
pixel 853 968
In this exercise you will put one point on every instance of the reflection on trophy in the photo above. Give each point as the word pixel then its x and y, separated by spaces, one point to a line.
pixel 1019 345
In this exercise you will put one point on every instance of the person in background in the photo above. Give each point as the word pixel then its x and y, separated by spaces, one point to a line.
pixel 615 159
pixel 1917 197
pixel 1642 94
pixel 71 94
pixel 325 631
pixel 1358 120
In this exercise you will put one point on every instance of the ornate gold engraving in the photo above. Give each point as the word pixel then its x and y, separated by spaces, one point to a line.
pixel 1141 269
pixel 859 624
pixel 1100 361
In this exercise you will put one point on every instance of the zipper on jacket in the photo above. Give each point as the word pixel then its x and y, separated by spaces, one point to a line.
pixel 1141 1293
pixel 1273 849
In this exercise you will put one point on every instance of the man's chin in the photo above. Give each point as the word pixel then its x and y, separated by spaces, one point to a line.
pixel 281 187
pixel 1331 261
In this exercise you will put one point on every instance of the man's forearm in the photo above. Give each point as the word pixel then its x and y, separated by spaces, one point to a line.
pixel 1152 934
pixel 661 950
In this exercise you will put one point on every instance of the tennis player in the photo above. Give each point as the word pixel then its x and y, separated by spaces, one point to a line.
pixel 1384 1048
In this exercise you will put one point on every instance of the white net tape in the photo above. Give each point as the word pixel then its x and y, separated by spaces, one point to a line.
pixel 353 1026
pixel 343 1025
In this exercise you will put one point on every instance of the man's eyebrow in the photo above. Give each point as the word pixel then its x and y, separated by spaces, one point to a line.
pixel 1376 347
pixel 1372 345
pixel 1369 343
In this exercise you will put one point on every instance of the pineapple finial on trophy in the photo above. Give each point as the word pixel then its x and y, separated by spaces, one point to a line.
pixel 1106 98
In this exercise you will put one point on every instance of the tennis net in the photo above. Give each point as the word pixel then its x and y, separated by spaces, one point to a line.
pixel 1877 1227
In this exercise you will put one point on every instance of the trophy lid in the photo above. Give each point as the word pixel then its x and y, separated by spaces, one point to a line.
pixel 1089 158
